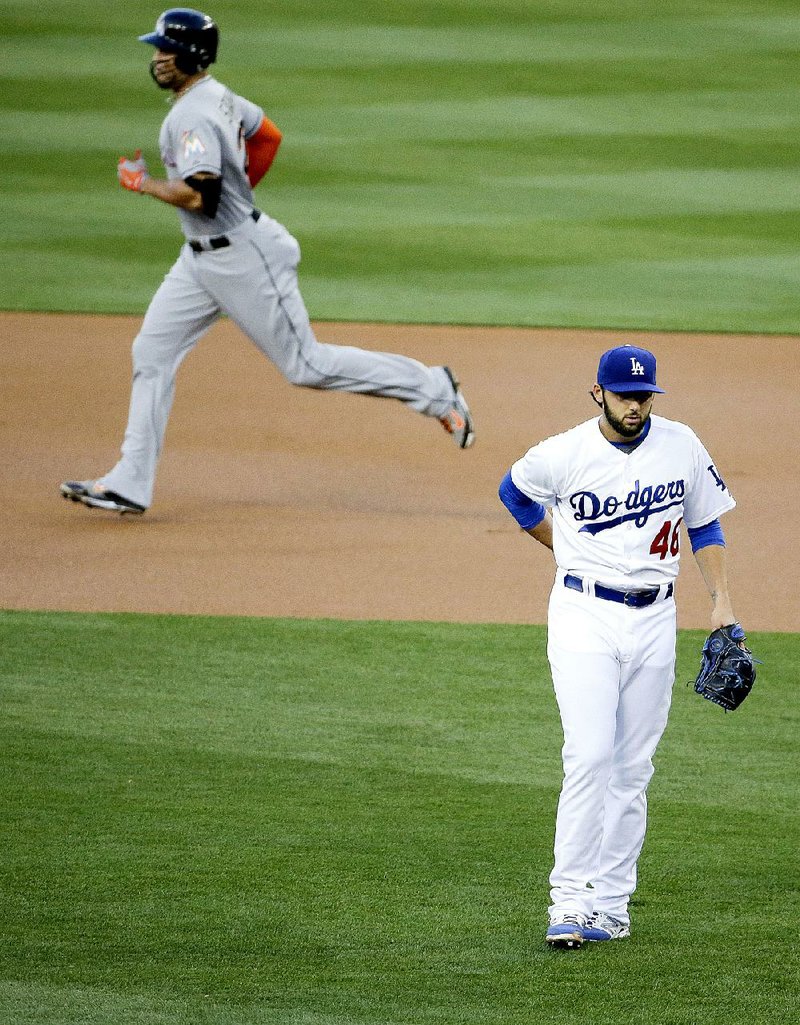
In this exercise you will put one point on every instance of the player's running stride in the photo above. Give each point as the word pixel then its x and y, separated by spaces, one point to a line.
pixel 216 146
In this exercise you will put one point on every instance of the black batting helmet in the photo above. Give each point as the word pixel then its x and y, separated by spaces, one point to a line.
pixel 193 38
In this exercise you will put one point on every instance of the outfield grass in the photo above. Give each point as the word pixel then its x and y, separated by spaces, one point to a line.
pixel 273 822
pixel 558 163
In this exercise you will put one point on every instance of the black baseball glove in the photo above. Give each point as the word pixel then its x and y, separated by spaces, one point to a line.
pixel 727 671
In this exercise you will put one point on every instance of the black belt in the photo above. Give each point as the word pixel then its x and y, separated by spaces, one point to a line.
pixel 219 241
pixel 633 599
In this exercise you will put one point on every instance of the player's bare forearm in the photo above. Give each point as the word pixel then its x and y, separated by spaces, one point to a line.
pixel 713 565
pixel 175 192
pixel 543 531
pixel 199 192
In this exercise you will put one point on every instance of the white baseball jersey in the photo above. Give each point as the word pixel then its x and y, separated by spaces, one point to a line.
pixel 205 131
pixel 617 515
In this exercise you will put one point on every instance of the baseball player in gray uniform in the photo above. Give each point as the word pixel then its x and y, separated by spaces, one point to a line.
pixel 216 146
pixel 608 498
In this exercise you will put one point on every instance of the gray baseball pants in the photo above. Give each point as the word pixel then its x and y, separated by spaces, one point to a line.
pixel 254 282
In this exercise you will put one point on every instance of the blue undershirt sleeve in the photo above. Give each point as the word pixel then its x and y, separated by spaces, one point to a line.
pixel 525 511
pixel 708 534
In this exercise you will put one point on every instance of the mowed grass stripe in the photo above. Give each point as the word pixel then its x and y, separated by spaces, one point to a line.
pixel 241 820
pixel 450 162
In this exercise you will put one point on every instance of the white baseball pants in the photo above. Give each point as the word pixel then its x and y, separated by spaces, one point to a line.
pixel 613 668
pixel 254 282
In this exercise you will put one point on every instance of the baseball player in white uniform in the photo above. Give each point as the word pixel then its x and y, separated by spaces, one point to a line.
pixel 216 146
pixel 608 498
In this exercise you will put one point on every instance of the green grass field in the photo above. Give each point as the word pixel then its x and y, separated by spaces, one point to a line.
pixel 266 822
pixel 240 821
pixel 556 163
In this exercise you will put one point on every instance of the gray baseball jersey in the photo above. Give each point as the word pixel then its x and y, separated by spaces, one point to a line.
pixel 205 131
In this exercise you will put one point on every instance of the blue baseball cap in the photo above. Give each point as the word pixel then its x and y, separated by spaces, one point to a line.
pixel 628 368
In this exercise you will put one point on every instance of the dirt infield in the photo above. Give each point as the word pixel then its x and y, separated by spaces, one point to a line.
pixel 279 501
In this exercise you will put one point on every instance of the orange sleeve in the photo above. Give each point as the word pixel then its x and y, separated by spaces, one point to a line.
pixel 261 149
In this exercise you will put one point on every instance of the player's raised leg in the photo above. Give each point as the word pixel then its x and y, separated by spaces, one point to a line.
pixel 274 316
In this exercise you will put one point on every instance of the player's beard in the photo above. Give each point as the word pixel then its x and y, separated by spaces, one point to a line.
pixel 624 430
pixel 173 79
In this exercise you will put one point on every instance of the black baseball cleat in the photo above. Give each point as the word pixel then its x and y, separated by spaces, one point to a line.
pixel 90 493
pixel 457 421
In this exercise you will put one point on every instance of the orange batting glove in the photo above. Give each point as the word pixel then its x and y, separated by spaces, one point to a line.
pixel 132 173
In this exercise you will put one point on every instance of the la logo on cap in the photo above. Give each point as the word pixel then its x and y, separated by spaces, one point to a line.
pixel 627 368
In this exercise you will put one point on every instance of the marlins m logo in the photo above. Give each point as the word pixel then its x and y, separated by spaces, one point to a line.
pixel 637 370
pixel 192 144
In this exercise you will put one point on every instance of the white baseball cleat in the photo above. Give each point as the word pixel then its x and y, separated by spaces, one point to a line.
pixel 566 932
pixel 457 421
pixel 601 927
